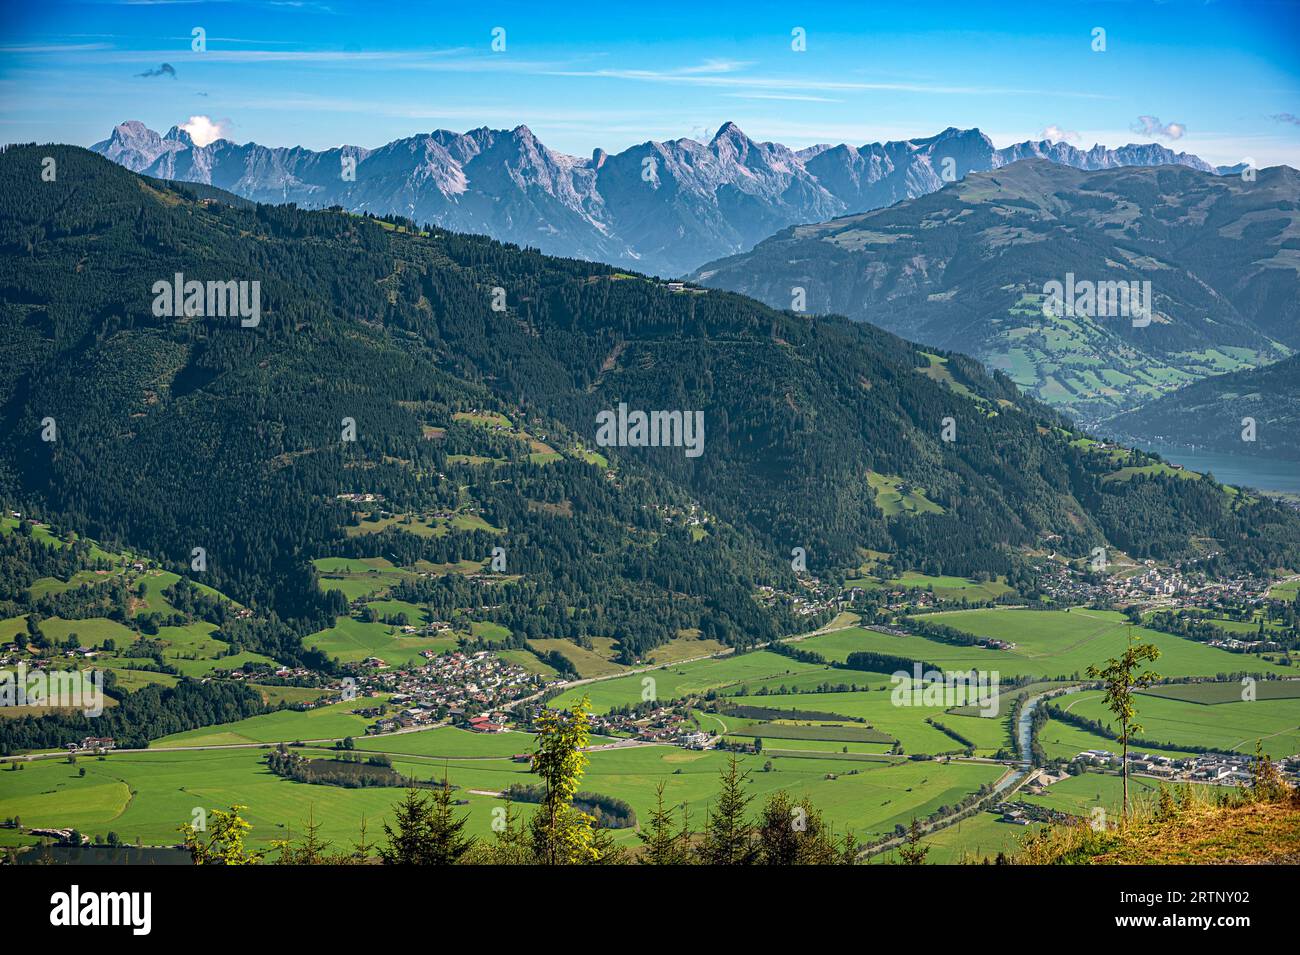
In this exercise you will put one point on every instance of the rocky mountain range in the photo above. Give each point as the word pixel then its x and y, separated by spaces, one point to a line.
pixel 658 207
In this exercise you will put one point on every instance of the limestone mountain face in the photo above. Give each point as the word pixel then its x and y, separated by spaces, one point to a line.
pixel 658 207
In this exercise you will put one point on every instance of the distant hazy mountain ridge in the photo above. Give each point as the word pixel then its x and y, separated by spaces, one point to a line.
pixel 968 268
pixel 661 207
pixel 1254 412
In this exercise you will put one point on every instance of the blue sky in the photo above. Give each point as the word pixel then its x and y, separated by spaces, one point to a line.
pixel 1218 79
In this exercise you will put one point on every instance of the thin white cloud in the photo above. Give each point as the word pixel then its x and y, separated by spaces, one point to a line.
pixel 402 57
pixel 56 48
pixel 795 97
pixel 799 84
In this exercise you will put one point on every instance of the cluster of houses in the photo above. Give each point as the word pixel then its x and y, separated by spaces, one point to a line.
pixel 92 744
pixel 814 598
pixel 690 516
pixel 1244 646
pixel 285 674
pixel 433 628
pixel 487 724
pixel 1066 585
pixel 360 498
pixel 663 724
pixel 469 688
pixel 1167 767
pixel 1154 581
pixel 1183 585
pixel 1021 813
pixel 1222 768
pixel 900 598
pixel 10 655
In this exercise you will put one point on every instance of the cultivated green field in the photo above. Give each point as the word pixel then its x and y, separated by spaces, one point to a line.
pixel 447 741
pixel 903 723
pixel 1049 643
pixel 148 795
pixel 351 641
pixel 894 496
pixel 1079 794
pixel 1225 692
pixel 784 732
pixel 815 747
pixel 970 841
pixel 944 587
pixel 1229 727
pixel 358 577
pixel 1007 698
pixel 1065 741
pixel 1286 590
pixel 333 721
pixel 588 663
pixel 677 681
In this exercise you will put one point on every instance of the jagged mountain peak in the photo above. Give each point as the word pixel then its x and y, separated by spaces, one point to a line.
pixel 662 207
pixel 729 130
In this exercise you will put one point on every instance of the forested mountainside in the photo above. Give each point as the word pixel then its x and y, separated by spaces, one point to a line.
pixel 1212 414
pixel 173 433
pixel 965 268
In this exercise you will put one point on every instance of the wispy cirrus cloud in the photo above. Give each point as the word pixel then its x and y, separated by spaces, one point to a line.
pixel 718 78
pixel 55 47
pixel 394 57
pixel 793 97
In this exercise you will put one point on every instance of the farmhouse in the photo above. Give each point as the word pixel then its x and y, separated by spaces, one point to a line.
pixel 481 724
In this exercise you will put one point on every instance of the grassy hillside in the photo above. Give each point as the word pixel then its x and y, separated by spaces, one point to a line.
pixel 1193 826
pixel 965 268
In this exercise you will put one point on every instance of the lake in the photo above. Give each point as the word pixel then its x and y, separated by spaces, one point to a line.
pixel 1265 474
